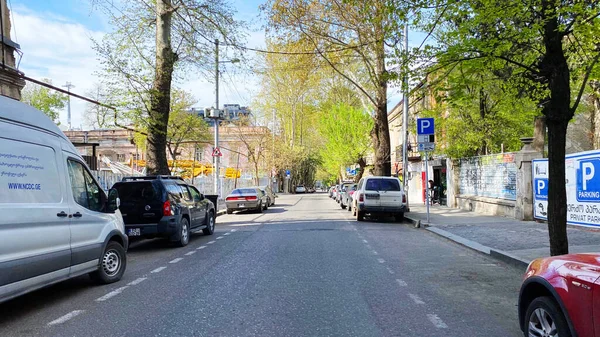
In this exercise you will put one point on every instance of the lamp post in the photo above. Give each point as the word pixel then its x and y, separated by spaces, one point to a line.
pixel 216 115
pixel 68 85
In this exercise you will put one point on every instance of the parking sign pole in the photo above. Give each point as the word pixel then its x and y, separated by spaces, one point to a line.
pixel 427 184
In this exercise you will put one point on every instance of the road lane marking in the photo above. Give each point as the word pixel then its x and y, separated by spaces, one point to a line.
pixel 176 260
pixel 111 294
pixel 375 253
pixel 390 270
pixel 401 282
pixel 158 270
pixel 219 238
pixel 233 230
pixel 437 322
pixel 226 233
pixel 136 282
pixel 416 299
pixel 211 242
pixel 190 253
pixel 365 241
pixel 381 260
pixel 201 247
pixel 66 317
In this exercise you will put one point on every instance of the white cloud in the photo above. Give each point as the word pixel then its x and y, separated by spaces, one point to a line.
pixel 60 50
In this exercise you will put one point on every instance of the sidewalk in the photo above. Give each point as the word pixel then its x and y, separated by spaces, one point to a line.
pixel 511 240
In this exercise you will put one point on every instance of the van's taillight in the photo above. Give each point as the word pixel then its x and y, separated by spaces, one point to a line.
pixel 404 198
pixel 167 211
pixel 361 197
pixel 251 198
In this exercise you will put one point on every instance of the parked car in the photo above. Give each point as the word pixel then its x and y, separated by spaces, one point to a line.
pixel 57 222
pixel 300 189
pixel 270 194
pixel 379 195
pixel 164 206
pixel 336 192
pixel 251 198
pixel 346 199
pixel 558 296
pixel 331 191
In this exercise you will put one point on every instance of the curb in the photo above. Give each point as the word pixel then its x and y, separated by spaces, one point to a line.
pixel 492 252
pixel 415 222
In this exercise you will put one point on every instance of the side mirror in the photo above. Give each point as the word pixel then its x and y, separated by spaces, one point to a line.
pixel 113 202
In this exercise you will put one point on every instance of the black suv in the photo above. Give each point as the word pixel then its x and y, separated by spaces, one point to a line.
pixel 164 206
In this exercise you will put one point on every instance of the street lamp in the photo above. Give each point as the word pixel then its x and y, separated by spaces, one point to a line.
pixel 217 115
pixel 68 85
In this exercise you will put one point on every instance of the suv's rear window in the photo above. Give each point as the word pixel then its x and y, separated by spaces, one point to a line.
pixel 243 191
pixel 137 191
pixel 382 185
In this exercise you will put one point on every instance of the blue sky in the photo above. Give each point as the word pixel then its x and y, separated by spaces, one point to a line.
pixel 55 37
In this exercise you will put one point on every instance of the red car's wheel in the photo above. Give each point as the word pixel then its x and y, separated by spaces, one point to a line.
pixel 544 318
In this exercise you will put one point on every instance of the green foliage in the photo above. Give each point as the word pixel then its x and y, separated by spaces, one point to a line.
pixel 44 99
pixel 478 112
pixel 345 131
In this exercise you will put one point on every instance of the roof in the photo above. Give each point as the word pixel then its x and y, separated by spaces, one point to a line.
pixel 20 112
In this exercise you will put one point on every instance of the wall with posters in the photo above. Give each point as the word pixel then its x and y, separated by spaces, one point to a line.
pixel 492 176
pixel 583 188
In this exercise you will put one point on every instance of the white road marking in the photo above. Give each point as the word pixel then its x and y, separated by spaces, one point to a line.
pixel 437 322
pixel 111 294
pixel 66 317
pixel 381 260
pixel 226 234
pixel 201 247
pixel 136 282
pixel 416 299
pixel 365 241
pixel 401 282
pixel 211 242
pixel 233 230
pixel 219 238
pixel 375 253
pixel 390 270
pixel 158 270
pixel 190 253
pixel 176 260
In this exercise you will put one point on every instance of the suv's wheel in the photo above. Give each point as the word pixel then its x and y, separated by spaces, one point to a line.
pixel 112 264
pixel 544 318
pixel 210 224
pixel 184 233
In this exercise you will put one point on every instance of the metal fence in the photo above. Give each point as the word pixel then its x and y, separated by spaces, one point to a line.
pixel 107 178
pixel 493 176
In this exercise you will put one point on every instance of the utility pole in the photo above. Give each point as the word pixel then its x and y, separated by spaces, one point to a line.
pixel 217 158
pixel 68 85
pixel 405 121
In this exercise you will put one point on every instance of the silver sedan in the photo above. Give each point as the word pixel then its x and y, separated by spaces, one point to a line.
pixel 246 199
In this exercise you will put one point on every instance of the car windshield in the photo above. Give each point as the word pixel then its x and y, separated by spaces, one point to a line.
pixel 137 191
pixel 244 191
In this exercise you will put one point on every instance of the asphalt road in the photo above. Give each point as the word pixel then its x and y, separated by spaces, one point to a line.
pixel 302 268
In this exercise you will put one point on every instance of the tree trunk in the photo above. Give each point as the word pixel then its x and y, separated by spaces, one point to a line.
pixel 161 92
pixel 555 69
pixel 381 130
pixel 362 163
pixel 539 134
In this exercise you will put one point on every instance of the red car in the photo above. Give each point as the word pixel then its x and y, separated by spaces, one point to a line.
pixel 560 296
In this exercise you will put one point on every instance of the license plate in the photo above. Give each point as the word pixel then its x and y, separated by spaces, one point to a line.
pixel 134 232
pixel 372 196
pixel 241 205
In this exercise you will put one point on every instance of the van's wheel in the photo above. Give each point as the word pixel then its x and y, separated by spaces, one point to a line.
pixel 210 224
pixel 544 318
pixel 184 233
pixel 112 264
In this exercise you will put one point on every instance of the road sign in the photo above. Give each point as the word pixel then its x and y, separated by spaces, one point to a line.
pixel 588 180
pixel 425 126
pixel 426 146
pixel 217 152
pixel 425 138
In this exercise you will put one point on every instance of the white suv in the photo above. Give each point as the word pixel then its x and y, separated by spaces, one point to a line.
pixel 379 195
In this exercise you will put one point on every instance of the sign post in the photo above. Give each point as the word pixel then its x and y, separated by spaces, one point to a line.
pixel 426 143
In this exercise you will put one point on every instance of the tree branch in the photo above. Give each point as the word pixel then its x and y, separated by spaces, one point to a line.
pixel 584 82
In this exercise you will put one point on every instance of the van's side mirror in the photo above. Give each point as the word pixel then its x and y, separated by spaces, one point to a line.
pixel 114 202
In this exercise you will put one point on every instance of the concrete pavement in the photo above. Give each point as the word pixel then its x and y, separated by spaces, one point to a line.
pixel 518 242
pixel 302 268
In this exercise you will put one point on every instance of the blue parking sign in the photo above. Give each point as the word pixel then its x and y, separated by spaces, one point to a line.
pixel 540 188
pixel 588 180
pixel 425 126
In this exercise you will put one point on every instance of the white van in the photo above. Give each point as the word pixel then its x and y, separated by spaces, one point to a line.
pixel 56 221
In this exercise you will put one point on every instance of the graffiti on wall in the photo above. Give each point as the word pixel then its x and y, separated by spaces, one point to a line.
pixel 493 176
